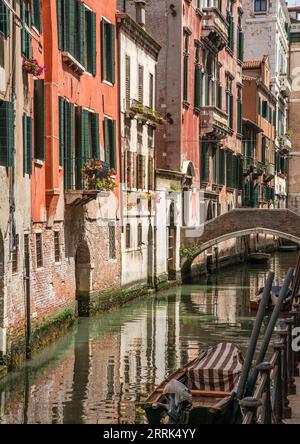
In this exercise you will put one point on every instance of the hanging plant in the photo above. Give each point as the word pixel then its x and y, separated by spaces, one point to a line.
pixel 97 175
pixel 32 67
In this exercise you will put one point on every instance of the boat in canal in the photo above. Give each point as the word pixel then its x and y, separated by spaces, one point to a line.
pixel 259 257
pixel 202 392
pixel 274 293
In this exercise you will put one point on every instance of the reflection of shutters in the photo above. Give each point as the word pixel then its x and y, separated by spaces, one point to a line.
pixel 127 78
pixel 91 42
pixel 141 84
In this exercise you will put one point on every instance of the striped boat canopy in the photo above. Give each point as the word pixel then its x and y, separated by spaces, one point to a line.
pixel 217 369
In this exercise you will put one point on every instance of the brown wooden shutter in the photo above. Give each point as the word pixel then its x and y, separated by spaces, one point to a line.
pixel 127 79
pixel 141 84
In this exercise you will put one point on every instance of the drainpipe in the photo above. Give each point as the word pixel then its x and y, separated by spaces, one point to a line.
pixel 120 136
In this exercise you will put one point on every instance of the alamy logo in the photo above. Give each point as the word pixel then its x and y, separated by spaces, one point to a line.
pixel 296 340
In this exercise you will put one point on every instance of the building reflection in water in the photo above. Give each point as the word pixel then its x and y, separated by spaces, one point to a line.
pixel 101 370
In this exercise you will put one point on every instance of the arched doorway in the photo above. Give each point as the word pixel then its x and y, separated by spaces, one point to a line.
pixel 150 257
pixel 2 346
pixel 172 244
pixel 83 269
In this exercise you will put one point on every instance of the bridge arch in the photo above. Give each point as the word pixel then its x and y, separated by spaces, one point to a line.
pixel 237 223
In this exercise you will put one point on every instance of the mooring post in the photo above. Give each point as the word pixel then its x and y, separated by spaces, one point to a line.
pixel 283 332
pixel 278 392
pixel 290 357
pixel 265 369
pixel 250 405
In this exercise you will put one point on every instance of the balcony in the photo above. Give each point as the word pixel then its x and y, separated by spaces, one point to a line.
pixel 248 165
pixel 134 108
pixel 269 172
pixel 214 123
pixel 85 179
pixel 72 63
pixel 285 85
pixel 285 143
pixel 258 169
pixel 215 28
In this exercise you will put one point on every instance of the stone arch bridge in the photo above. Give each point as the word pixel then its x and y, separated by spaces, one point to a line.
pixel 236 223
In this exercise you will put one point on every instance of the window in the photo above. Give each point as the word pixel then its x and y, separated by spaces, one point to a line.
pixel 57 246
pixel 239 111
pixel 140 172
pixel 265 109
pixel 4 19
pixel 129 168
pixel 15 255
pixel 36 15
pixel 221 172
pixel 259 105
pixel 260 5
pixel 6 133
pixel 231 26
pixel 150 173
pixel 240 40
pixel 140 235
pixel 185 66
pixel 151 90
pixel 112 240
pixel 127 80
pixel 39 250
pixel 298 16
pixel 198 80
pixel 110 142
pixel 229 101
pixel 150 137
pixel 141 84
pixel 25 36
pixel 205 162
pixel 27 144
pixel 39 120
pixel 77 32
pixel 229 169
pixel 108 51
pixel 128 236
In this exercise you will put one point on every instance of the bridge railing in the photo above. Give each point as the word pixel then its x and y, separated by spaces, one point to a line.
pixel 269 403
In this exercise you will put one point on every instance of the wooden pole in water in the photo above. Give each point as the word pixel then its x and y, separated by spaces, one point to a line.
pixel 254 335
pixel 270 328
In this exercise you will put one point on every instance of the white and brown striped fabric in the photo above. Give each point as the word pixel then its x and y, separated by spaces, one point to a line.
pixel 218 369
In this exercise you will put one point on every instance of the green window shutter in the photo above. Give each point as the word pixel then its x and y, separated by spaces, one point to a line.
pixel 61 110
pixel 215 159
pixel 259 105
pixel 6 133
pixel 264 108
pixel 221 167
pixel 27 144
pixel 91 42
pixel 110 142
pixel 231 111
pixel 39 120
pixel 239 116
pixel 70 26
pixel 69 152
pixel 59 16
pixel 25 36
pixel 185 77
pixel 81 43
pixel 198 87
pixel 4 19
pixel 108 51
pixel 36 14
pixel 219 96
pixel 229 169
pixel 240 45
pixel 205 162
pixel 95 130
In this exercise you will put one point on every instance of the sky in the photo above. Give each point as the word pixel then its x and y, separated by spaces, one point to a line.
pixel 294 2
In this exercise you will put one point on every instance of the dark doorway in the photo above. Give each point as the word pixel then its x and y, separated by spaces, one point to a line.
pixel 83 269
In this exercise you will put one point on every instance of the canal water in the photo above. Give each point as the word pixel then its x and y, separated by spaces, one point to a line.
pixel 106 365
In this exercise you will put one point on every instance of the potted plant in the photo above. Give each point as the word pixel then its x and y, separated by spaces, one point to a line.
pixel 97 175
pixel 32 67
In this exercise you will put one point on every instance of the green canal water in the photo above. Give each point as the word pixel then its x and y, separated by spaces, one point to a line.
pixel 105 366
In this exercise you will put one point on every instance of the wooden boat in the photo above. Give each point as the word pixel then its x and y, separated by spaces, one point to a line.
pixel 213 399
pixel 275 290
pixel 259 256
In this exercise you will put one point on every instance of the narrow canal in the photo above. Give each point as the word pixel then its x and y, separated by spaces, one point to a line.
pixel 106 365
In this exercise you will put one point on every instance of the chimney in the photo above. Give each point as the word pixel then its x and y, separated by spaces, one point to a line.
pixel 140 12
